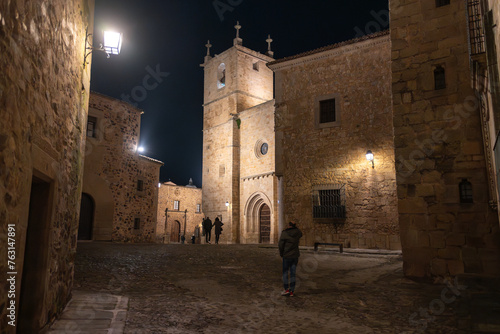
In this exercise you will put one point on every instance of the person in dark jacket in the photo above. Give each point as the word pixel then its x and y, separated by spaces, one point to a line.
pixel 289 251
pixel 218 229
pixel 207 226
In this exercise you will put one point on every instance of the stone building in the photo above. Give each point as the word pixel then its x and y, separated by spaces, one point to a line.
pixel 44 92
pixel 179 212
pixel 239 183
pixel 120 186
pixel 333 105
pixel 447 196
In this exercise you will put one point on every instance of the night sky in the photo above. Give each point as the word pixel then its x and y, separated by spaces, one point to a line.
pixel 169 36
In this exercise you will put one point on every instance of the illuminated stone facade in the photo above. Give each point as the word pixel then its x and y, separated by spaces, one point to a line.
pixel 329 187
pixel 122 185
pixel 44 92
pixel 239 184
pixel 447 209
pixel 184 213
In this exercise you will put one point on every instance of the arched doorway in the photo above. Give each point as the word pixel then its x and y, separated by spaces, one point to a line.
pixel 175 232
pixel 86 218
pixel 265 224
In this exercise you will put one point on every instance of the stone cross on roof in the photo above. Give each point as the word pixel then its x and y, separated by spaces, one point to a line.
pixel 238 40
pixel 269 41
pixel 208 46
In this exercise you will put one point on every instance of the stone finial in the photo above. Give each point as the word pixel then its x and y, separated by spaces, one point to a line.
pixel 190 181
pixel 238 40
pixel 208 46
pixel 269 41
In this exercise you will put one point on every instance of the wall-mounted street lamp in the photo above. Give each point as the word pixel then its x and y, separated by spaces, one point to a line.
pixel 112 44
pixel 369 157
pixel 227 203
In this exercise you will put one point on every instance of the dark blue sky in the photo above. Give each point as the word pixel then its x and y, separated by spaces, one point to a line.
pixel 169 36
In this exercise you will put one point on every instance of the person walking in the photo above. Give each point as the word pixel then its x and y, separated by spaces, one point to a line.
pixel 218 229
pixel 289 250
pixel 207 225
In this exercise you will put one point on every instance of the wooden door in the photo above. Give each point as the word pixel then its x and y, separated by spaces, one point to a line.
pixel 265 224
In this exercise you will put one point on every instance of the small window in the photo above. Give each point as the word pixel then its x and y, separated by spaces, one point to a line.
pixel 465 188
pixel 441 3
pixel 91 127
pixel 439 78
pixel 198 208
pixel 176 205
pixel 327 111
pixel 264 148
pixel 137 223
pixel 329 202
pixel 140 185
pixel 221 76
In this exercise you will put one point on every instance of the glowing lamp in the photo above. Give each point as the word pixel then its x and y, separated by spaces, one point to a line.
pixel 369 157
pixel 112 42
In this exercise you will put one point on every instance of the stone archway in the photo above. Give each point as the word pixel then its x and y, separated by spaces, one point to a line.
pixel 258 210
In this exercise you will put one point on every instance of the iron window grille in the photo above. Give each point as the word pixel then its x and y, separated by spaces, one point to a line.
pixel 439 78
pixel 176 205
pixel 91 127
pixel 476 32
pixel 329 202
pixel 465 188
pixel 327 111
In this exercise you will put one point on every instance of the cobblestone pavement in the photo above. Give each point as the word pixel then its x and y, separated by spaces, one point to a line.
pixel 236 289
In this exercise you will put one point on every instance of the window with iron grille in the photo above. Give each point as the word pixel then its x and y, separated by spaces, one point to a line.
pixel 327 111
pixel 198 208
pixel 441 3
pixel 137 223
pixel 176 205
pixel 465 188
pixel 91 127
pixel 329 202
pixel 439 78
pixel 140 185
pixel 476 32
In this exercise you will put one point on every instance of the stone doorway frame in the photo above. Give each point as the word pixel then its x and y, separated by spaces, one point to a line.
pixel 250 233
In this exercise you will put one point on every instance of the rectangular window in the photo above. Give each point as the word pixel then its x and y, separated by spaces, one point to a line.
pixel 176 205
pixel 327 111
pixel 439 78
pixel 91 127
pixel 137 223
pixel 198 208
pixel 329 202
pixel 440 3
pixel 140 185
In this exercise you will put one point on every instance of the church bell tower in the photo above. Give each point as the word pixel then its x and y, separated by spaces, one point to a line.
pixel 235 80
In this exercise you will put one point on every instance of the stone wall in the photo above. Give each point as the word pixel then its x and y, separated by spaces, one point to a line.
pixel 439 143
pixel 357 74
pixel 189 221
pixel 113 166
pixel 44 91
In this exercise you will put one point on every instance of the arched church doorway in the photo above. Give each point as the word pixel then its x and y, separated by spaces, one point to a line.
pixel 86 218
pixel 175 232
pixel 265 224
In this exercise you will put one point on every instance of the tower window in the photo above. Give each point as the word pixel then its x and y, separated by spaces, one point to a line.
pixel 176 205
pixel 441 3
pixel 91 127
pixel 221 76
pixel 327 111
pixel 140 185
pixel 439 78
pixel 137 223
pixel 465 188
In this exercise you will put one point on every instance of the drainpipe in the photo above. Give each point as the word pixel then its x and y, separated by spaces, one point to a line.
pixel 185 218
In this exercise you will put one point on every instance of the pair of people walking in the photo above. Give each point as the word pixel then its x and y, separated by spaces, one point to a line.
pixel 207 227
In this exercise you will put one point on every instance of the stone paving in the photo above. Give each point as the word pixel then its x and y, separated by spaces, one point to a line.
pixel 236 289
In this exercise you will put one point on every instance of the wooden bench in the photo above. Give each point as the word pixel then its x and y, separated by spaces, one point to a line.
pixel 341 245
